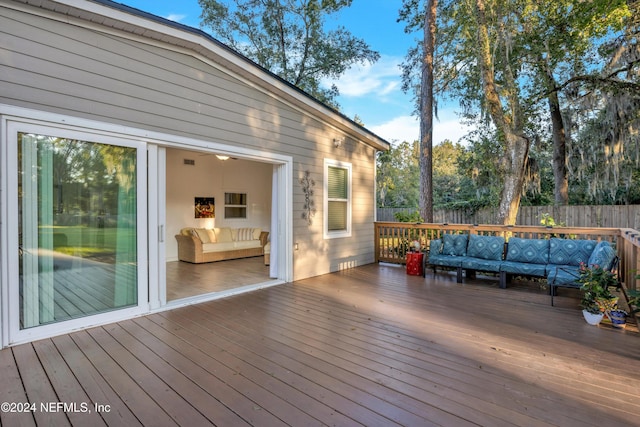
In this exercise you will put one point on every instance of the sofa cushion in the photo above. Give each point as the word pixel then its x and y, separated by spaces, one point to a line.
pixel 603 255
pixel 570 252
pixel 455 244
pixel 532 251
pixel 218 247
pixel 563 275
pixel 485 247
pixel 247 234
pixel 445 260
pixel 205 235
pixel 524 268
pixel 435 247
pixel 247 244
pixel 223 235
pixel 480 264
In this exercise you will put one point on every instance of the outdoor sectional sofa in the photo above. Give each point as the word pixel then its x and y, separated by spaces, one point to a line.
pixel 557 260
pixel 198 245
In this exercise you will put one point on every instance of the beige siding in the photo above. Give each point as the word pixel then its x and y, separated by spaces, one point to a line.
pixel 79 71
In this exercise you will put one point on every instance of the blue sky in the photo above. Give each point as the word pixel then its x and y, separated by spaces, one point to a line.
pixel 373 92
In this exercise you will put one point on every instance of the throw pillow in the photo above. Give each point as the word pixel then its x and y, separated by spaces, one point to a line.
pixel 533 251
pixel 435 247
pixel 203 235
pixel 256 233
pixel 455 244
pixel 223 235
pixel 486 247
pixel 244 234
pixel 603 255
pixel 570 251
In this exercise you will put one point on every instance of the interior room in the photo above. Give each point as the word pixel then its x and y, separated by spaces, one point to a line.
pixel 210 193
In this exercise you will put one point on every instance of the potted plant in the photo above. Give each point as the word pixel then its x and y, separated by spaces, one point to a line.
pixel 596 300
pixel 591 311
pixel 618 318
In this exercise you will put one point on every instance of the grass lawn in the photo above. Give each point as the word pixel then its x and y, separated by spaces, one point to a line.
pixel 88 242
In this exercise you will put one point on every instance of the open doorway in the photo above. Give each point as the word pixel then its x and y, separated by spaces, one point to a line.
pixel 227 203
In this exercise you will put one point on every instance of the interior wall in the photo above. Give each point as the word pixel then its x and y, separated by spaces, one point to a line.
pixel 212 177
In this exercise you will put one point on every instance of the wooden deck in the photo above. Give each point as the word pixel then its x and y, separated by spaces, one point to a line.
pixel 367 346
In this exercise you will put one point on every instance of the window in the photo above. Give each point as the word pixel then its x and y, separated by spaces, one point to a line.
pixel 337 199
pixel 235 205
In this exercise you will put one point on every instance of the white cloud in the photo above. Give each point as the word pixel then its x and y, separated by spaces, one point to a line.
pixel 381 78
pixel 175 17
pixel 451 129
pixel 402 128
pixel 407 128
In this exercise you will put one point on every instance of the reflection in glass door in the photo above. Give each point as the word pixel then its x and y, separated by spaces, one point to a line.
pixel 77 223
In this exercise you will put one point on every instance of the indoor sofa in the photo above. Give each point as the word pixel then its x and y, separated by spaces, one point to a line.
pixel 198 245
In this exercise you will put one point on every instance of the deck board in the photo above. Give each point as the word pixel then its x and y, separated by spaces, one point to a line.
pixel 94 384
pixel 368 346
pixel 38 388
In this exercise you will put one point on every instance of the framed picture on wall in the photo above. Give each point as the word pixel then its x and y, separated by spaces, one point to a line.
pixel 205 207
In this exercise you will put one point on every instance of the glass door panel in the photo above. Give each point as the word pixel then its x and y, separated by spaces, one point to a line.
pixel 77 226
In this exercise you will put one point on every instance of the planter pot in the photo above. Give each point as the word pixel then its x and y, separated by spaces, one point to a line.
pixel 592 319
pixel 618 319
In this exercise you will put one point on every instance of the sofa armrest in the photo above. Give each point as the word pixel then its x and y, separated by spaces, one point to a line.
pixel 189 248
pixel 264 236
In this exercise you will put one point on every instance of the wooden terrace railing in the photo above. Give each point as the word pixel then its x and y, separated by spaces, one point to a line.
pixel 392 240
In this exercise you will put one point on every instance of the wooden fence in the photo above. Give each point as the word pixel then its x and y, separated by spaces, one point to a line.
pixel 392 240
pixel 624 216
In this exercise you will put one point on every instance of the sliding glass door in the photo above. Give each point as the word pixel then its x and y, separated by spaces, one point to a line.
pixel 80 230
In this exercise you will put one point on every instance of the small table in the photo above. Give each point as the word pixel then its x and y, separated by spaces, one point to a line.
pixel 414 263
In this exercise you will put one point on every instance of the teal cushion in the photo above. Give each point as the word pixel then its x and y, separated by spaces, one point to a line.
pixel 564 275
pixel 481 264
pixel 485 247
pixel 445 260
pixel 435 247
pixel 455 244
pixel 524 268
pixel 570 252
pixel 603 255
pixel 532 251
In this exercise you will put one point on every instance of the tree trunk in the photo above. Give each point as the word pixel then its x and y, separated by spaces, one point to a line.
pixel 516 145
pixel 516 154
pixel 561 179
pixel 426 114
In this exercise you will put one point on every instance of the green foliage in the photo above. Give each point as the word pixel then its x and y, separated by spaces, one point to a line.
pixel 548 221
pixel 398 176
pixel 595 283
pixel 289 38
pixel 457 183
pixel 634 300
pixel 413 216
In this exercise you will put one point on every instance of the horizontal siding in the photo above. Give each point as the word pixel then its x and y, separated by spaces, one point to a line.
pixel 72 70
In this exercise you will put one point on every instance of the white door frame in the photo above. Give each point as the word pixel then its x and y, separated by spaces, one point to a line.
pixel 157 226
pixel 157 221
pixel 11 332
